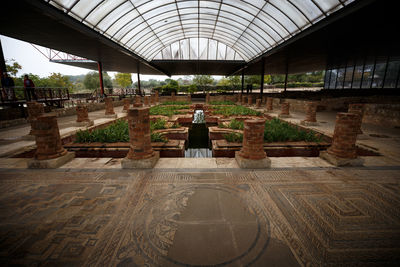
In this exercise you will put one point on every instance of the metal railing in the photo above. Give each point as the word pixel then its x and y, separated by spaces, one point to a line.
pixel 18 94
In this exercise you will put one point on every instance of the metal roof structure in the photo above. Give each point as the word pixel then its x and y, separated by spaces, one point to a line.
pixel 193 29
pixel 219 37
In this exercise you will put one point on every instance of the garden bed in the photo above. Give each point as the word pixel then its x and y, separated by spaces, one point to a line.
pixel 170 149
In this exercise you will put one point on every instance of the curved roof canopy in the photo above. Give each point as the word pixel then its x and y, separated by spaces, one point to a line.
pixel 198 29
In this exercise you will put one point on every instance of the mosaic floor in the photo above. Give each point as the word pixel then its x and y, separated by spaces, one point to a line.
pixel 310 216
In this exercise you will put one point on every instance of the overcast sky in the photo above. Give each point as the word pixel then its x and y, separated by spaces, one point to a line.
pixel 32 61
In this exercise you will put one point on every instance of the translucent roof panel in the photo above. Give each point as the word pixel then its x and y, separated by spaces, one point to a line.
pixel 199 29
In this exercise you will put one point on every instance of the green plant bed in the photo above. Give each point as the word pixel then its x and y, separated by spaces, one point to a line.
pixel 168 110
pixel 275 130
pixel 174 103
pixel 226 103
pixel 118 132
pixel 234 111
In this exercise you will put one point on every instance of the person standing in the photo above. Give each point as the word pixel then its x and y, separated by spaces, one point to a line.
pixel 30 88
pixel 8 85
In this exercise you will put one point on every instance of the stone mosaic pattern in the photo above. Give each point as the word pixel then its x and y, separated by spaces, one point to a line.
pixel 160 218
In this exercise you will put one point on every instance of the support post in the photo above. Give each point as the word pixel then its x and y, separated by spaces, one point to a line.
pixel 262 78
pixel 286 77
pixel 242 80
pixel 3 68
pixel 100 67
pixel 138 79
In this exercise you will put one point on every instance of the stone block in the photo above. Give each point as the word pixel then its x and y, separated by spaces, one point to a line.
pixel 244 163
pixel 50 163
pixel 111 116
pixel 147 163
pixel 341 162
pixel 85 123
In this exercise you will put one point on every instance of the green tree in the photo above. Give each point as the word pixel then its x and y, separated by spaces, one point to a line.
pixel 13 67
pixel 224 82
pixel 202 81
pixel 58 80
pixel 92 80
pixel 235 81
pixel 123 79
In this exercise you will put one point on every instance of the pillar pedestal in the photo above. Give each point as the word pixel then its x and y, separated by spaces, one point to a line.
pixel 252 154
pixel 343 151
pixel 311 115
pixel 285 110
pixel 141 154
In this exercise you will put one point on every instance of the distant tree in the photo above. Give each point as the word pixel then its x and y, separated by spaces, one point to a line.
pixel 235 81
pixel 255 80
pixel 123 79
pixel 13 67
pixel 92 80
pixel 192 88
pixel 203 81
pixel 224 82
pixel 58 80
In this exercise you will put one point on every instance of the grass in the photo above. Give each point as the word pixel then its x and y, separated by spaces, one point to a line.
pixel 167 110
pixel 234 137
pixel 234 111
pixel 279 131
pixel 227 103
pixel 118 132
pixel 276 131
pixel 174 103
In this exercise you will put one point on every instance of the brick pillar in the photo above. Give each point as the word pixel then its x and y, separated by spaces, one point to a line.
pixel 207 98
pixel 138 102
pixel 82 115
pixel 239 100
pixel 141 154
pixel 48 141
pixel 285 110
pixel 173 97
pixel 252 154
pixel 189 98
pixel 270 106
pixel 156 97
pixel 311 114
pixel 343 150
pixel 34 109
pixel 127 103
pixel 152 99
pixel 224 98
pixel 359 110
pixel 49 151
pixel 250 100
pixel 244 100
pixel 146 101
pixel 258 103
pixel 109 106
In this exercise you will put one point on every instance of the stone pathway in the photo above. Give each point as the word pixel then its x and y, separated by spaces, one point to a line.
pixel 279 217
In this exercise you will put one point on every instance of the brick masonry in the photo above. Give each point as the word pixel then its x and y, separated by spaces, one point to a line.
pixel 173 96
pixel 138 102
pixel 146 101
pixel 244 100
pixel 345 136
pixel 359 110
pixel 253 140
pixel 250 100
pixel 127 103
pixel 258 103
pixel 270 101
pixel 285 108
pixel 139 134
pixel 311 112
pixel 156 97
pixel 82 114
pixel 109 106
pixel 207 98
pixel 35 110
pixel 48 141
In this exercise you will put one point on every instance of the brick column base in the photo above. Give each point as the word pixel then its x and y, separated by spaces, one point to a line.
pixel 35 110
pixel 285 110
pixel 141 154
pixel 138 102
pixel 127 103
pixel 207 98
pixel 239 99
pixel 49 152
pixel 244 100
pixel 269 104
pixel 250 100
pixel 258 103
pixel 82 116
pixel 311 115
pixel 343 151
pixel 156 97
pixel 359 110
pixel 146 101
pixel 109 108
pixel 252 154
